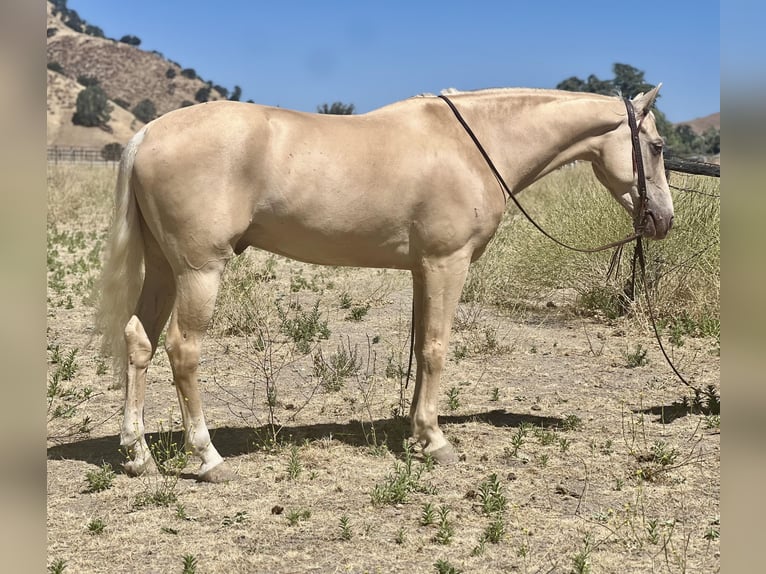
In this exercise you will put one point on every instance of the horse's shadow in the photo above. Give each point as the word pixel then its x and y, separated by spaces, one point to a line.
pixel 236 441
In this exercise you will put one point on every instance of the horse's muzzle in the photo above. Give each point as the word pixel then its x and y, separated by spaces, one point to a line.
pixel 656 226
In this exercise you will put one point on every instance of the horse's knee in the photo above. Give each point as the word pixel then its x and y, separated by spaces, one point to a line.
pixel 432 356
pixel 183 351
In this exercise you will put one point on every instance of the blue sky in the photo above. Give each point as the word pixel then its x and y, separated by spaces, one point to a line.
pixel 299 54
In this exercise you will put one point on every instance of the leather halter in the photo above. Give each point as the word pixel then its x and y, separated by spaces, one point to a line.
pixel 638 168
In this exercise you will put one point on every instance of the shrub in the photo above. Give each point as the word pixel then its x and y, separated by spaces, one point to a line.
pixel 336 108
pixel 51 32
pixel 56 67
pixel 221 90
pixel 145 111
pixel 92 30
pixel 189 73
pixel 131 40
pixel 170 73
pixel 92 107
pixel 111 152
pixel 202 95
pixel 124 104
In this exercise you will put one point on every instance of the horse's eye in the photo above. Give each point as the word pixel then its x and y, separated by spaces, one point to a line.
pixel 657 148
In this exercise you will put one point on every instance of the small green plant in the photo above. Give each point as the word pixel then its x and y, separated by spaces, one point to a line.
pixel 636 357
pixel 580 561
pixel 491 496
pixel 401 536
pixel 427 514
pixel 517 440
pixel 96 526
pixel 57 566
pixel 303 328
pixel 357 312
pixel 495 530
pixel 495 395
pixel 101 368
pixel 240 517
pixel 333 370
pixel 663 454
pixel 453 398
pixel 296 516
pixel 481 547
pixel 572 423
pixel 294 466
pixel 652 531
pixel 444 567
pixel 564 444
pixel 345 300
pixel 345 528
pixel 190 564
pixel 403 480
pixel 171 459
pixel 181 512
pixel 100 479
pixel 545 436
pixel 446 530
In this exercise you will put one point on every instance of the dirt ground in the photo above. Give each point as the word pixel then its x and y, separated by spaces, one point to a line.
pixel 603 466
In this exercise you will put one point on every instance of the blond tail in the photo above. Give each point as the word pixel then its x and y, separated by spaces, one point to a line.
pixel 122 274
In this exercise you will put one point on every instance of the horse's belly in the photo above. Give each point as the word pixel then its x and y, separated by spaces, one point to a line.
pixel 332 247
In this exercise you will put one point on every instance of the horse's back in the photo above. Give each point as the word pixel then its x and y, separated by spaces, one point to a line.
pixel 341 190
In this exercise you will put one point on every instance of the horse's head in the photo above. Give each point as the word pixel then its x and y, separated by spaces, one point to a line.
pixel 616 170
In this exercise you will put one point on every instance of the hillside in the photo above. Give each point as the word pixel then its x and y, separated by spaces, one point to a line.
pixel 700 125
pixel 126 73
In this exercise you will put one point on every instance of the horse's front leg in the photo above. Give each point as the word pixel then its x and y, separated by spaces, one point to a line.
pixel 437 284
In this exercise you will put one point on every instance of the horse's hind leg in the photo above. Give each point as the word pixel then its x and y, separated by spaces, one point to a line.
pixel 141 335
pixel 195 300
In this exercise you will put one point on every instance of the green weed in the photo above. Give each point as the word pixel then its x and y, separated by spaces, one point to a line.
pixel 100 479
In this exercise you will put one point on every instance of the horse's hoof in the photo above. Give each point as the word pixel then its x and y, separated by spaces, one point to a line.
pixel 134 468
pixel 444 455
pixel 219 473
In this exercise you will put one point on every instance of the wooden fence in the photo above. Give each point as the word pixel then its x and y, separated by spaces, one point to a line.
pixel 57 154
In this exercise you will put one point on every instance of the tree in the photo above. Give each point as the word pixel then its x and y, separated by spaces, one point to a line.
pixel 92 30
pixel 111 152
pixel 131 40
pixel 202 95
pixel 337 108
pixel 221 90
pixel 236 94
pixel 189 73
pixel 92 107
pixel 145 111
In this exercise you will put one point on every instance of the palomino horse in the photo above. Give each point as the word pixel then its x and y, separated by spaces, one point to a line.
pixel 401 187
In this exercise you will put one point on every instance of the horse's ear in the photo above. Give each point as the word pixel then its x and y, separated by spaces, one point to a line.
pixel 643 102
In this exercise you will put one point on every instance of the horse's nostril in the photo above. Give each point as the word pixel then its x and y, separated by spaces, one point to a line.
pixel 670 222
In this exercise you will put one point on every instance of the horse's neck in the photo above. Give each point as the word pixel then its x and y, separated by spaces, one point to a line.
pixel 532 136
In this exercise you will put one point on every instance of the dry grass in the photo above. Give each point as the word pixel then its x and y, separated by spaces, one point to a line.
pixel 601 466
